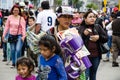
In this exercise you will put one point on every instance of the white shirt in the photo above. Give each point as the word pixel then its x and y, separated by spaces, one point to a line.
pixel 47 19
pixel 109 29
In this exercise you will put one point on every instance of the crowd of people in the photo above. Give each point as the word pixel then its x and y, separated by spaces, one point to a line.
pixel 36 33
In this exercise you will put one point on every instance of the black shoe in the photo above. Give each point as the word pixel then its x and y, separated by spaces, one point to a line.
pixel 115 64
pixel 4 60
pixel 12 66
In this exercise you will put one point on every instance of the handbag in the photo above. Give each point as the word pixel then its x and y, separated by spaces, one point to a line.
pixel 104 48
pixel 14 38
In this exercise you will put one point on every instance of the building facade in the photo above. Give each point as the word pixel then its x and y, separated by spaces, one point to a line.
pixel 6 4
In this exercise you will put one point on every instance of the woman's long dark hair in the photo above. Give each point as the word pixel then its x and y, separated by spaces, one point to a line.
pixel 85 16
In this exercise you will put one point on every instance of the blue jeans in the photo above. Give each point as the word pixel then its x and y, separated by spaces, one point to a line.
pixel 16 49
pixel 4 50
pixel 0 22
pixel 92 71
pixel 109 44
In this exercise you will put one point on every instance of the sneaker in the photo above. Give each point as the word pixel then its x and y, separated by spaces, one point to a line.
pixel 4 60
pixel 115 64
pixel 12 66
pixel 105 60
pixel 8 62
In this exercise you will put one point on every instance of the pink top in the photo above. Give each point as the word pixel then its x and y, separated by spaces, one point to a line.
pixel 12 26
pixel 32 77
pixel 76 21
pixel 0 14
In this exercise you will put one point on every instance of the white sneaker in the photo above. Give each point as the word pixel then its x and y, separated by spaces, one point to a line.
pixel 106 60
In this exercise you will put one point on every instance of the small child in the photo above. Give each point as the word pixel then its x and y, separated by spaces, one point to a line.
pixel 34 33
pixel 24 68
pixel 31 23
pixel 51 66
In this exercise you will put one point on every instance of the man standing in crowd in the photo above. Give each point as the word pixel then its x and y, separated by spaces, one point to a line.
pixel 46 18
pixel 116 39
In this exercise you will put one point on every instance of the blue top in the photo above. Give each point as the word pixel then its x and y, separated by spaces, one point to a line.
pixel 52 69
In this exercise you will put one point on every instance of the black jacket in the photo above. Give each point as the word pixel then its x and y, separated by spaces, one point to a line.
pixel 116 27
pixel 97 29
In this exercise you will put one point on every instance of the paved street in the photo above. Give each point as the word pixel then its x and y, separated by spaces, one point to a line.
pixel 6 73
pixel 105 72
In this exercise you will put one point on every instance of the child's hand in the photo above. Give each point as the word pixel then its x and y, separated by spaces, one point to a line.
pixel 37 29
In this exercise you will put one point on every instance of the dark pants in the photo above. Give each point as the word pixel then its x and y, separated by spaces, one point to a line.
pixel 92 71
pixel 115 47
pixel 23 48
pixel 33 56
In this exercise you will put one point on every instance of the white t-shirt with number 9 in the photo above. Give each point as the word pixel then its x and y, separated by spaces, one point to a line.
pixel 46 19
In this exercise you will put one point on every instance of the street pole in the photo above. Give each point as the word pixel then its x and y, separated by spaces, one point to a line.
pixel 119 4
pixel 105 3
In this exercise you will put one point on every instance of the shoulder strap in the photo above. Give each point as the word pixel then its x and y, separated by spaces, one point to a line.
pixel 55 32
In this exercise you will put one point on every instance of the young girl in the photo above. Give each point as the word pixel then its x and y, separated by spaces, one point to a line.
pixel 50 65
pixel 24 68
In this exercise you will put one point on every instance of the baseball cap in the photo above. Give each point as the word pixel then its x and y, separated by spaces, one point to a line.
pixel 64 10
pixel 31 6
pixel 115 9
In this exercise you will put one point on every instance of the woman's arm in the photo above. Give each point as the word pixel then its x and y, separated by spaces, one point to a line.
pixel 103 37
pixel 23 24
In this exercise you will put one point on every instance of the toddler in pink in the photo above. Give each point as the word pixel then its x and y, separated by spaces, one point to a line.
pixel 25 67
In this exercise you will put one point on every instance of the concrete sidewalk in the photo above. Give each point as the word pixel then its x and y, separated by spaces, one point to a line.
pixel 107 72
pixel 6 73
